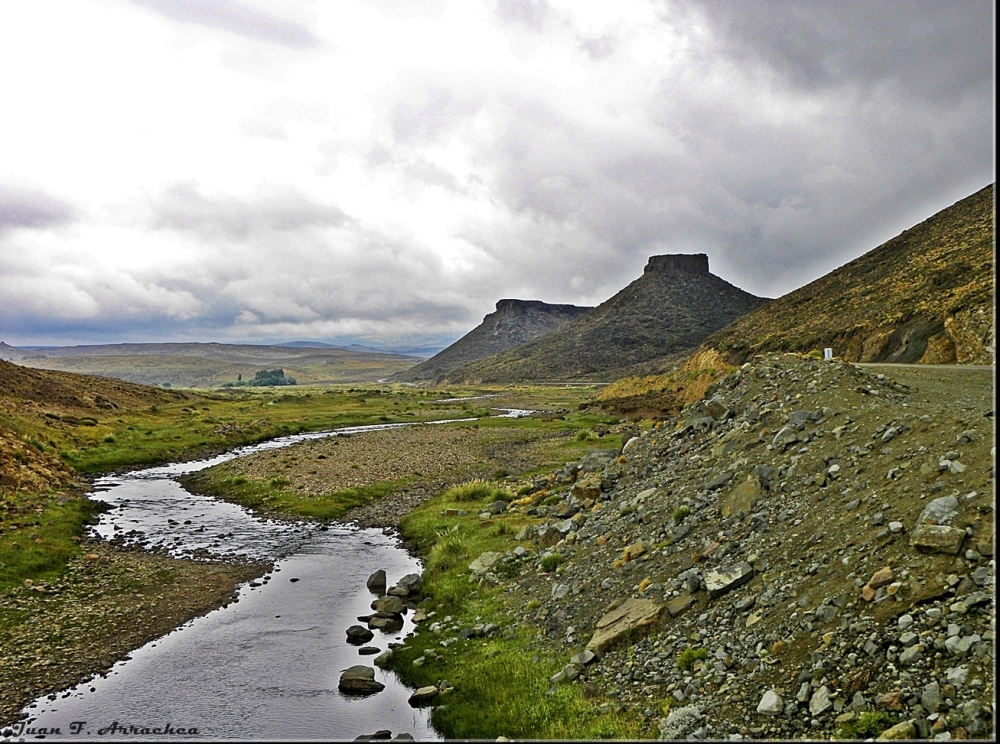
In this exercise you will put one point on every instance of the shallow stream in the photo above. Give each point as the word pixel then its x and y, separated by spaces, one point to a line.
pixel 265 667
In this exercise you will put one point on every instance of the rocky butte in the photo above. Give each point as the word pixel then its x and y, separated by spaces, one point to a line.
pixel 667 311
pixel 515 322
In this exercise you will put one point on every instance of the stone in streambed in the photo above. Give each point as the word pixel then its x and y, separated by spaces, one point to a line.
pixel 389 605
pixel 376 582
pixel 358 634
pixel 423 696
pixel 359 680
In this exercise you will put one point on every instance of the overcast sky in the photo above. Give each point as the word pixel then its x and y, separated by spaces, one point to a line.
pixel 254 170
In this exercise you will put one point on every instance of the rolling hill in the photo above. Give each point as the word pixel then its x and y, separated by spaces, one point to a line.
pixel 211 364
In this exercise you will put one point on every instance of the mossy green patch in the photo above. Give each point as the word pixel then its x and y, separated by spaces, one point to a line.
pixel 501 683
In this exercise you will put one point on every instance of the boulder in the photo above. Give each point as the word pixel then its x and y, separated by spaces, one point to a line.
pixel 741 499
pixel 389 624
pixel 484 563
pixel 939 511
pixel 587 488
pixel 423 696
pixel 389 605
pixel 359 680
pixel 677 605
pixel 771 704
pixel 721 580
pixel 376 582
pixel 409 584
pixel 936 538
pixel 358 634
pixel 630 618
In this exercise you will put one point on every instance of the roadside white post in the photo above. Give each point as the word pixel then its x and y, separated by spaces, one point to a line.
pixel 828 353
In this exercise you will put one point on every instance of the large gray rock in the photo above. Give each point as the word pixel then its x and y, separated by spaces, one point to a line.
pixel 939 511
pixel 389 624
pixel 820 702
pixel 721 580
pixel 484 563
pixel 406 586
pixel 770 704
pixel 359 680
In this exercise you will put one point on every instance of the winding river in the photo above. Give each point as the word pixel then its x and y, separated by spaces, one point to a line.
pixel 265 667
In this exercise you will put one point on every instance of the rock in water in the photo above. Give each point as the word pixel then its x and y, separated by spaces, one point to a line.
pixel 376 582
pixel 423 696
pixel 359 680
pixel 358 634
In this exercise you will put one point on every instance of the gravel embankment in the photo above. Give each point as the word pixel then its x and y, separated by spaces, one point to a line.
pixel 810 544
pixel 430 458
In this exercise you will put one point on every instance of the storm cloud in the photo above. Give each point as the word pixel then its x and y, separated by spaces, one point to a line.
pixel 381 170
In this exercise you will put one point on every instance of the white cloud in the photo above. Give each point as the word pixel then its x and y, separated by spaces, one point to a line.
pixel 237 169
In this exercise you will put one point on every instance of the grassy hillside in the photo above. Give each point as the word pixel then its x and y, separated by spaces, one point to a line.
pixel 926 296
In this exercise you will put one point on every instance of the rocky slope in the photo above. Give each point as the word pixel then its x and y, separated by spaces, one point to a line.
pixel 514 322
pixel 669 310
pixel 924 296
pixel 809 548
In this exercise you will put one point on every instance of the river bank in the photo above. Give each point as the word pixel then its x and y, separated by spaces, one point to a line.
pixel 109 601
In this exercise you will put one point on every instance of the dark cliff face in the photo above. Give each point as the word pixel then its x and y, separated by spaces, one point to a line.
pixel 670 309
pixel 692 263
pixel 514 322
pixel 523 307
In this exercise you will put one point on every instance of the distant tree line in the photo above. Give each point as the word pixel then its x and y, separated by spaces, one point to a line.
pixel 264 378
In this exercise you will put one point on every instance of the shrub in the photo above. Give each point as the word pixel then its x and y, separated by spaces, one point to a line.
pixel 550 561
pixel 679 513
pixel 478 490
pixel 687 658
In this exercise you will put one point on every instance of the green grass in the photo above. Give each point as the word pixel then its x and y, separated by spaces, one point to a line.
pixel 501 684
pixel 38 536
pixel 868 725
pixel 688 657
pixel 272 496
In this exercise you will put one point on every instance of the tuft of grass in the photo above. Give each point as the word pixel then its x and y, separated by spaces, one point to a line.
pixel 688 657
pixel 679 513
pixel 551 561
pixel 868 725
pixel 478 490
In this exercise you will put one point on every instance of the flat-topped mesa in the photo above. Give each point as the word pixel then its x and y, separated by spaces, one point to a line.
pixel 520 306
pixel 692 263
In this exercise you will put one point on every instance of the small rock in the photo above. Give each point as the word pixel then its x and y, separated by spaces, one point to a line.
pixel 770 704
pixel 359 680
pixel 423 696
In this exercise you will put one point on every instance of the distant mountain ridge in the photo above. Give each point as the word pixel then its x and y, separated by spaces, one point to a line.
pixel 670 309
pixel 926 296
pixel 513 323
pixel 210 364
